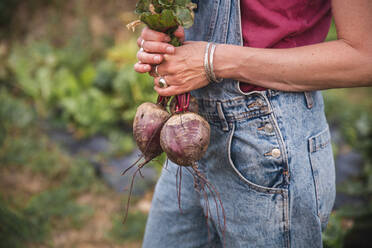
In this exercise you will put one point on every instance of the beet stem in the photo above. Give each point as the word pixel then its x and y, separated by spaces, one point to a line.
pixel 130 193
pixel 208 211
pixel 131 166
pixel 140 172
pixel 215 194
pixel 187 102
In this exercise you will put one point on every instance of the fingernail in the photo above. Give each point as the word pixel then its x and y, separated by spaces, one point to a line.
pixel 157 59
pixel 167 39
pixel 170 49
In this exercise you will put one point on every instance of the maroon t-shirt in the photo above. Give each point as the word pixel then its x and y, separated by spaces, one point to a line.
pixel 283 24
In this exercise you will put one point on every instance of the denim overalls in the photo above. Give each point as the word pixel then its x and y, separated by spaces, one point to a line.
pixel 270 159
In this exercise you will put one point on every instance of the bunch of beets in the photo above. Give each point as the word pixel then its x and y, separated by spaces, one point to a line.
pixel 175 128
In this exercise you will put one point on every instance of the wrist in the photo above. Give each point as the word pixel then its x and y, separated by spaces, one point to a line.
pixel 225 61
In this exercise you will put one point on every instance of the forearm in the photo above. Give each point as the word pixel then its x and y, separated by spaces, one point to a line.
pixel 333 64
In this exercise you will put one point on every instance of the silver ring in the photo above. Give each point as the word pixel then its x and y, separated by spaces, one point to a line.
pixel 156 71
pixel 163 83
pixel 143 41
pixel 141 50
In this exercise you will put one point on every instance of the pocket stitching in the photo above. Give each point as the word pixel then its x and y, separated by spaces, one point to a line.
pixel 317 143
pixel 256 187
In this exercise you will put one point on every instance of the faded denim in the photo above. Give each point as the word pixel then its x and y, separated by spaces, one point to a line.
pixel 270 158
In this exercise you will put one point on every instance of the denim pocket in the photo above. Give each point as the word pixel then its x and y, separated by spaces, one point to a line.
pixel 322 165
pixel 257 154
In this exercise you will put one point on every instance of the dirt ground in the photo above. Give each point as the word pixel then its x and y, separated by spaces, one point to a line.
pixel 93 234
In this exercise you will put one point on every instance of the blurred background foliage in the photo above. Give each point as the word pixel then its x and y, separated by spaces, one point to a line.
pixel 69 66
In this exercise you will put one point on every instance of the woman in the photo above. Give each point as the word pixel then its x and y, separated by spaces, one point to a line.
pixel 270 156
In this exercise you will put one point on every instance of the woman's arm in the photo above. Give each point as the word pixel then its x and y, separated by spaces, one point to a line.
pixel 346 62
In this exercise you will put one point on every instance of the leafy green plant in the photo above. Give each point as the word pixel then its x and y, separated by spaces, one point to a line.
pixel 90 97
pixel 55 204
pixel 133 230
pixel 353 118
pixel 336 231
pixel 16 229
pixel 105 74
pixel 14 112
pixel 80 177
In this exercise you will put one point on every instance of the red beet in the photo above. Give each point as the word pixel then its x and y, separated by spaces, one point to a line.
pixel 147 125
pixel 185 138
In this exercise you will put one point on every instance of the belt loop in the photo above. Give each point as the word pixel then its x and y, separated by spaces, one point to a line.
pixel 309 99
pixel 225 125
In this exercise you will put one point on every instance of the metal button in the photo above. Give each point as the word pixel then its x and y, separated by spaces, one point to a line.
pixel 268 128
pixel 275 153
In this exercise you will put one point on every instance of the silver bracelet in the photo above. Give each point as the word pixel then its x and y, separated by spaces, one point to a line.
pixel 212 75
pixel 206 63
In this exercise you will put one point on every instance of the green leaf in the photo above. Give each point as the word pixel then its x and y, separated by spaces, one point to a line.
pixel 160 22
pixel 43 77
pixel 182 3
pixel 87 76
pixel 184 16
pixel 167 3
pixel 66 84
pixel 142 6
pixel 106 72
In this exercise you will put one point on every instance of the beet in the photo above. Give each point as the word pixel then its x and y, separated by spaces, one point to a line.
pixel 147 124
pixel 185 138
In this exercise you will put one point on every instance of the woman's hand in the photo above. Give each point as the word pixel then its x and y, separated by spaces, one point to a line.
pixel 183 71
pixel 155 45
pixel 181 67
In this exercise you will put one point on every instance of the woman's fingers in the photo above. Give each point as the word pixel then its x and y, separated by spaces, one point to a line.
pixel 158 47
pixel 152 35
pixel 154 44
pixel 148 58
pixel 142 68
pixel 170 89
